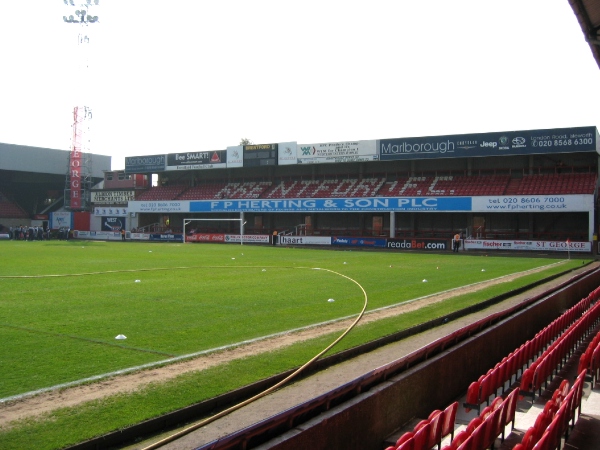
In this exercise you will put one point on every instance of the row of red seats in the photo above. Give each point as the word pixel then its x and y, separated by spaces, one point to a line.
pixel 542 368
pixel 440 424
pixel 553 421
pixel 482 431
pixel 488 384
pixel 543 419
pixel 590 359
pixel 11 210
pixel 429 432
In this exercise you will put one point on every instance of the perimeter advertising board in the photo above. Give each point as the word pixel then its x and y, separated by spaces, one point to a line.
pixel 145 164
pixel 353 241
pixel 417 244
pixel 213 159
pixel 551 246
pixel 205 237
pixel 166 237
pixel 304 240
pixel 556 140
pixel 99 235
pixel 247 239
pixel 337 152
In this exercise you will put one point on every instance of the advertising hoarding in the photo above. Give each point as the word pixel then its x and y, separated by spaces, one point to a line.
pixel 99 235
pixel 304 240
pixel 247 238
pixel 287 153
pixel 60 219
pixel 337 152
pixel 112 197
pixel 534 203
pixel 114 224
pixel 75 177
pixel 213 159
pixel 557 140
pixel 145 164
pixel 353 241
pixel 235 156
pixel 547 246
pixel 417 244
pixel 159 206
pixel 519 203
pixel 416 204
pixel 166 237
pixel 205 237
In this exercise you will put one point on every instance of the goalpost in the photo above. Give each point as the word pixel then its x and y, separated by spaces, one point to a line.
pixel 241 220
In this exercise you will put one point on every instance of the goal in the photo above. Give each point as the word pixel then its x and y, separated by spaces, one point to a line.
pixel 241 220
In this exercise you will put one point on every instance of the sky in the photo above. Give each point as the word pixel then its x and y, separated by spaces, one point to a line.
pixel 193 75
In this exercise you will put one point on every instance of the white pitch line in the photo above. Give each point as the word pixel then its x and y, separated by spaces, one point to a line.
pixel 238 344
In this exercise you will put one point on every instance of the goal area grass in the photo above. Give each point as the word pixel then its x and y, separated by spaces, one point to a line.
pixel 75 311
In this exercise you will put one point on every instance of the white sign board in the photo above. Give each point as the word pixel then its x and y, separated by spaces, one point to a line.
pixel 337 152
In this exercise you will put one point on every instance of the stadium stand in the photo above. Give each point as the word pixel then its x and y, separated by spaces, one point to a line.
pixel 558 416
pixel 247 190
pixel 204 191
pixel 162 193
pixel 476 185
pixel 570 183
pixel 562 334
pixel 11 210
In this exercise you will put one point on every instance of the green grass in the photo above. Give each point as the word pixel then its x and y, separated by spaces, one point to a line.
pixel 192 298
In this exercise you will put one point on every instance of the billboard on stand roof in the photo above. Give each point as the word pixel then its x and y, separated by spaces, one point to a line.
pixel 529 142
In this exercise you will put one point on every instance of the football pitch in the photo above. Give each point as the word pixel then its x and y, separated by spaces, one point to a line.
pixel 65 304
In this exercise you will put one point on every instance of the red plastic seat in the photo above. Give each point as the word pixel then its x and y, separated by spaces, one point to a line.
pixel 473 424
pixel 435 432
pixel 407 445
pixel 478 436
pixel 448 421
pixel 405 437
pixel 421 437
pixel 472 395
pixel 551 407
pixel 460 438
pixel 530 438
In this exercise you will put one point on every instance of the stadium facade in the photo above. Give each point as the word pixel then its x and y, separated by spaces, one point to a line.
pixel 526 189
pixel 32 183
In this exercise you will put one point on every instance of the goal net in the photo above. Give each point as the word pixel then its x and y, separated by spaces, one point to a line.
pixel 188 224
